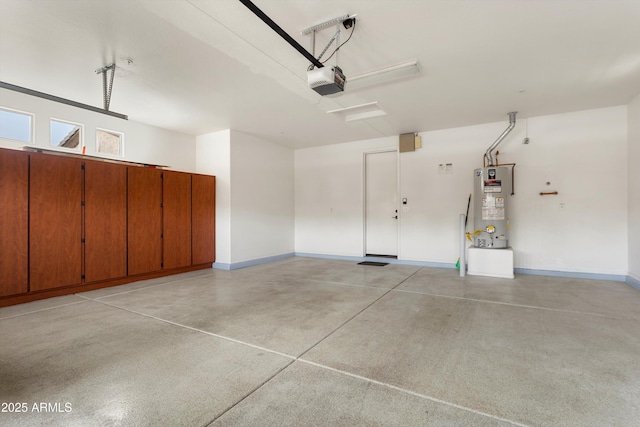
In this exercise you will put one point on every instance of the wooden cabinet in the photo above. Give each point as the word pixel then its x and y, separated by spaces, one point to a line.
pixel 14 222
pixel 70 224
pixel 171 220
pixel 203 219
pixel 176 219
pixel 144 220
pixel 55 222
pixel 105 221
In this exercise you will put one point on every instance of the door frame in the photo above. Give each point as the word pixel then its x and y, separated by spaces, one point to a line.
pixel 364 195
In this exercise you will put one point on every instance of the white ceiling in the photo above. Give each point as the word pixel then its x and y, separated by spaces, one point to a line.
pixel 201 66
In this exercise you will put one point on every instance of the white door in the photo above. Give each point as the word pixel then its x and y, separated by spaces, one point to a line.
pixel 381 203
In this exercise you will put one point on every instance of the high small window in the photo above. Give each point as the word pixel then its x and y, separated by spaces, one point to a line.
pixel 16 125
pixel 110 142
pixel 66 135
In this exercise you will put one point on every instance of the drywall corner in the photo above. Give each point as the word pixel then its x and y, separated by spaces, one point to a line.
pixel 633 157
pixel 213 157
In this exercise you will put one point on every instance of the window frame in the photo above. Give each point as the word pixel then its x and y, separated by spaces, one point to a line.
pixel 120 146
pixel 32 119
pixel 81 142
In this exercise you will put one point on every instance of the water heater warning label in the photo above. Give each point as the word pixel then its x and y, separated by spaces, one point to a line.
pixel 493 186
pixel 492 208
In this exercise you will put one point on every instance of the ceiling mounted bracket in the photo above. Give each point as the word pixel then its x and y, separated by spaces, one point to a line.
pixel 106 92
pixel 336 37
pixel 330 23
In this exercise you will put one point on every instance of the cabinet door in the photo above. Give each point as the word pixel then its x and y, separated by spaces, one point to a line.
pixel 176 216
pixel 203 219
pixel 144 220
pixel 55 222
pixel 14 221
pixel 105 219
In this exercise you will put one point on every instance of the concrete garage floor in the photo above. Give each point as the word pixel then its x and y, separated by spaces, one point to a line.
pixel 309 341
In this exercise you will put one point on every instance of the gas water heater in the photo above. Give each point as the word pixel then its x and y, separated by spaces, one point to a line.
pixel 491 189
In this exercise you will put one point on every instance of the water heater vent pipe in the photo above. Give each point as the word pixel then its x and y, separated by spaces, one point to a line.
pixel 512 123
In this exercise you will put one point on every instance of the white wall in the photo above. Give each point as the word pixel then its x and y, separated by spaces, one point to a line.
pixel 328 197
pixel 583 229
pixel 143 143
pixel 634 188
pixel 262 216
pixel 429 231
pixel 254 195
pixel 213 154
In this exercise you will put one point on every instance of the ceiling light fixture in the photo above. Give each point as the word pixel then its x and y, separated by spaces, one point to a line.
pixel 382 75
pixel 368 110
